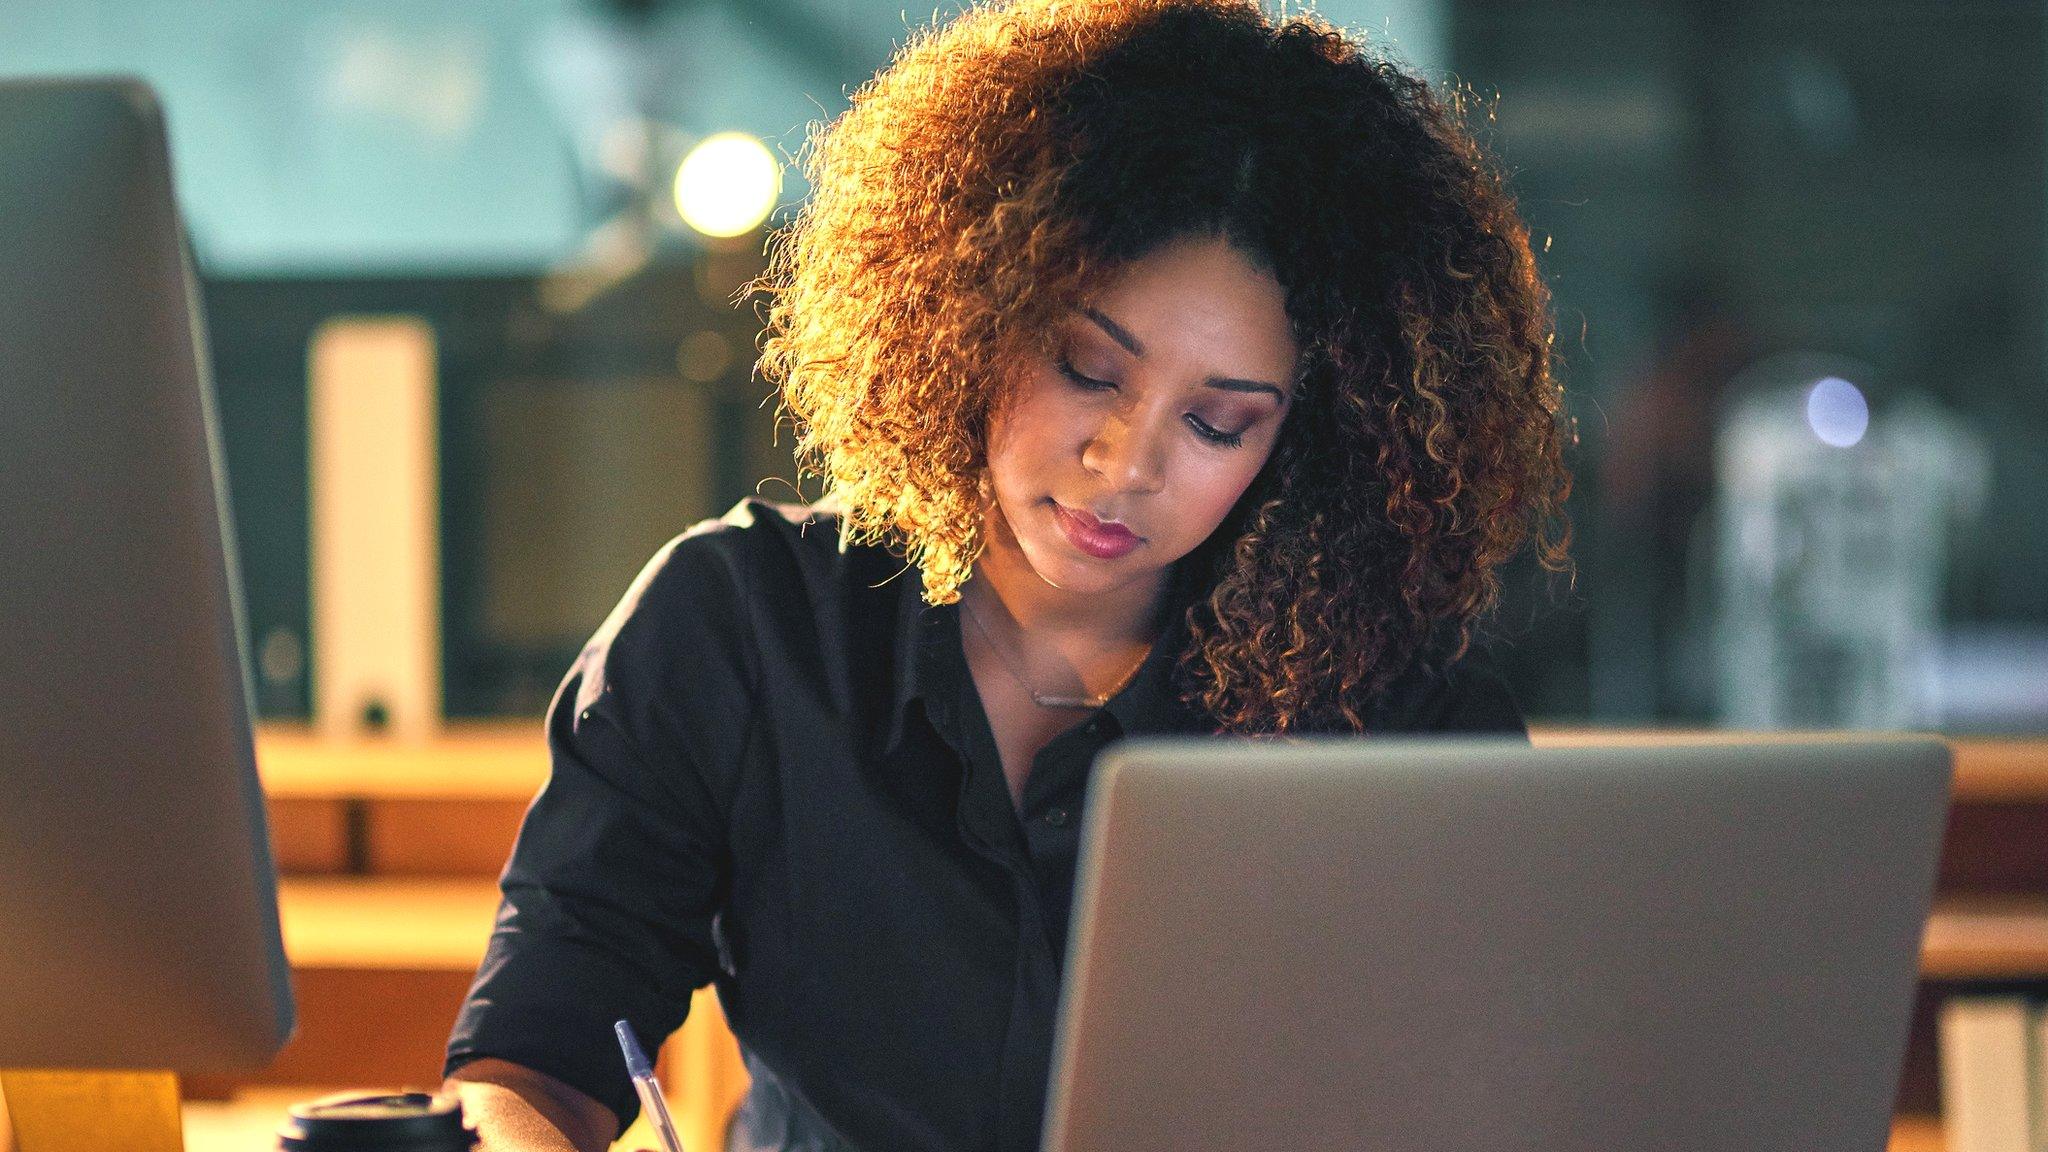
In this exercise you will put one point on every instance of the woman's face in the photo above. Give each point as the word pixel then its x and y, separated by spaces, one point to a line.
pixel 1123 450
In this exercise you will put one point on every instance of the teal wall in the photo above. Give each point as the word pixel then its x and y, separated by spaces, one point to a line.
pixel 380 137
pixel 346 135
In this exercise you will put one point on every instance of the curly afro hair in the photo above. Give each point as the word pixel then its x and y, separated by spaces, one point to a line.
pixel 1005 165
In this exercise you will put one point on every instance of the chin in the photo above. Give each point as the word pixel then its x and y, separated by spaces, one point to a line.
pixel 1058 565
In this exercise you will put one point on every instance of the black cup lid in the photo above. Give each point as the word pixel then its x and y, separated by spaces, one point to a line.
pixel 376 1122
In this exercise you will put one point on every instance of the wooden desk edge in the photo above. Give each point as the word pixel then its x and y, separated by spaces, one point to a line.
pixel 508 760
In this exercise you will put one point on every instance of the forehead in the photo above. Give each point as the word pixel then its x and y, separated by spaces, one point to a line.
pixel 1201 302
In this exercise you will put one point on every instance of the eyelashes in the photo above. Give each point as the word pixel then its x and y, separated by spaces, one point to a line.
pixel 1201 428
pixel 1088 383
pixel 1213 435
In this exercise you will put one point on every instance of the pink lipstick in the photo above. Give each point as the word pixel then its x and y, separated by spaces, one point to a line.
pixel 1096 538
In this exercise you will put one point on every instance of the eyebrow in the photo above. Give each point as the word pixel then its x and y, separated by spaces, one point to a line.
pixel 1122 335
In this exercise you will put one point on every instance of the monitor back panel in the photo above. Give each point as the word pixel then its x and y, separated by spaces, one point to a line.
pixel 138 919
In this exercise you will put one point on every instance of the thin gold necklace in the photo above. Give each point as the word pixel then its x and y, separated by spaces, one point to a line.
pixel 1046 699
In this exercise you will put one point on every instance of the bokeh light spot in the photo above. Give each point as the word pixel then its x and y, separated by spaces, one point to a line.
pixel 727 184
pixel 1837 412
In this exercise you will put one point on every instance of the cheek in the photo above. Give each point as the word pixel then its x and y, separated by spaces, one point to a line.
pixel 1031 434
pixel 1216 487
pixel 1211 497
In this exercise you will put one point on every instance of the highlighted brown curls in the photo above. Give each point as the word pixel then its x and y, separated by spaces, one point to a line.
pixel 1006 165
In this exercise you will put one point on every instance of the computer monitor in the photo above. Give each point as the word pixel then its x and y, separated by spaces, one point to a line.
pixel 1441 946
pixel 138 905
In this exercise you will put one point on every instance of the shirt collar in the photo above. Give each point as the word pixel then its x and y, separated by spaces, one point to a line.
pixel 927 670
pixel 920 670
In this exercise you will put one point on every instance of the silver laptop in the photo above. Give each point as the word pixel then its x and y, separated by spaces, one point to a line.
pixel 138 912
pixel 1454 946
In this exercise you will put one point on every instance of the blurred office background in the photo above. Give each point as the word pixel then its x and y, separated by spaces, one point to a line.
pixel 1797 250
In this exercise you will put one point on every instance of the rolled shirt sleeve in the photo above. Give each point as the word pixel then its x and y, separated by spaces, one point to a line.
pixel 622 861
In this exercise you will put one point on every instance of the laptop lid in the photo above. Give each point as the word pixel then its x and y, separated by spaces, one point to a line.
pixel 1449 945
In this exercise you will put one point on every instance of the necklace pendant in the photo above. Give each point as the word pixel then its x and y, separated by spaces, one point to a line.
pixel 1043 699
pixel 1069 701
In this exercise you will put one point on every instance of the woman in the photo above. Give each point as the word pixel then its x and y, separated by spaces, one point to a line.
pixel 1199 367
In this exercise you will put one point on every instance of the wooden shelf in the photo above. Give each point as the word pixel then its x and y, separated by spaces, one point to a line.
pixel 2011 768
pixel 480 760
pixel 508 760
pixel 1986 938
pixel 1988 768
pixel 1909 1134
pixel 386 923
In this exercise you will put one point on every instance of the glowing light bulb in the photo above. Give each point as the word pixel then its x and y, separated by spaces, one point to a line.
pixel 1837 412
pixel 727 185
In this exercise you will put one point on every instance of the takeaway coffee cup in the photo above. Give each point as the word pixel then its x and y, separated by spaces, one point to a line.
pixel 376 1122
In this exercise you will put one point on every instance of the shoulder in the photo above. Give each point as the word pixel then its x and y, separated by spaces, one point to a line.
pixel 754 547
pixel 708 593
pixel 764 540
pixel 681 656
pixel 757 538
pixel 1462 696
pixel 775 563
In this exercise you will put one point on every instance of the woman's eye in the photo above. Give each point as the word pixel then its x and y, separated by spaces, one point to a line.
pixel 1215 436
pixel 1202 427
pixel 1080 381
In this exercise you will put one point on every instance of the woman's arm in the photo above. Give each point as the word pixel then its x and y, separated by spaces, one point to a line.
pixel 621 861
pixel 516 1109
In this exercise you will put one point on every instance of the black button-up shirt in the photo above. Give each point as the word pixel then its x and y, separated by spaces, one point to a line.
pixel 771 772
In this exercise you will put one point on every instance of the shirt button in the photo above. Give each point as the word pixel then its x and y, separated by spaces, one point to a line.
pixel 1057 817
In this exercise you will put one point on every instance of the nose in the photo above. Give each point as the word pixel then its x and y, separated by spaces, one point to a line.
pixel 1128 453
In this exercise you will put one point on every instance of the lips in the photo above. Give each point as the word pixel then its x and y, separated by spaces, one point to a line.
pixel 1092 536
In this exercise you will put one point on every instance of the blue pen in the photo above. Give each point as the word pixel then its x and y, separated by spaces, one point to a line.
pixel 648 1087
